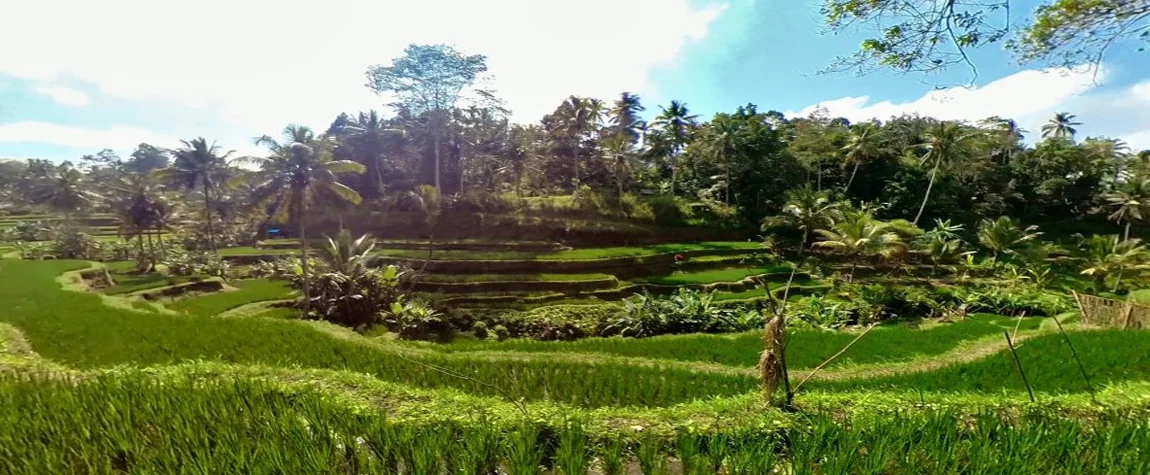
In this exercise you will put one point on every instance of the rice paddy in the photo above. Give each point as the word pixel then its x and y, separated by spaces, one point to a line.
pixel 194 390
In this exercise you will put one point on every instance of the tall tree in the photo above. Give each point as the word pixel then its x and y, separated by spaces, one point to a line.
pixel 298 175
pixel 625 120
pixel 367 135
pixel 1128 203
pixel 945 144
pixel 574 127
pixel 1061 126
pixel 808 210
pixel 675 124
pixel 864 143
pixel 147 158
pixel 199 166
pixel 428 79
pixel 66 190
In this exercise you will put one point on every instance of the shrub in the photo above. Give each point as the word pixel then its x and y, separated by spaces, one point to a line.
pixel 500 332
pixel 354 300
pixel 416 320
pixel 558 322
pixel 195 263
pixel 479 329
pixel 1014 301
pixel 69 242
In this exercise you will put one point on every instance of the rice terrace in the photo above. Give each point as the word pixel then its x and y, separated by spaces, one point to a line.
pixel 445 287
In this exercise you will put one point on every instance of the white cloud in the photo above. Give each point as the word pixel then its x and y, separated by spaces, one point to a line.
pixel 63 95
pixel 115 137
pixel 261 64
pixel 1030 97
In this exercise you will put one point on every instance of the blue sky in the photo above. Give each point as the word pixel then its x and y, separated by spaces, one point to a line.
pixel 116 73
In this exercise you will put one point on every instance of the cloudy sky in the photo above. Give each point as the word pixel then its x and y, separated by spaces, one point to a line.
pixel 78 76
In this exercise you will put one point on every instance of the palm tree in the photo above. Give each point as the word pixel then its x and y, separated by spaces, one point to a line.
pixel 431 203
pixel 575 120
pixel 864 143
pixel 198 165
pixel 1005 235
pixel 625 118
pixel 368 132
pixel 346 255
pixel 722 142
pixel 65 190
pixel 1106 256
pixel 1110 152
pixel 676 123
pixel 945 144
pixel 858 235
pixel 807 210
pixel 298 175
pixel 138 206
pixel 1128 203
pixel 1061 126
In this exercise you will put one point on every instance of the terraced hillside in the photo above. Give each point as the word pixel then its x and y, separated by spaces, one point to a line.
pixel 684 401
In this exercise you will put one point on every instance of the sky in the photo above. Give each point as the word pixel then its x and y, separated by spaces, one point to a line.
pixel 78 76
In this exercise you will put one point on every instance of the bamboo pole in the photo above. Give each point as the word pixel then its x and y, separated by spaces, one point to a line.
pixel 1018 364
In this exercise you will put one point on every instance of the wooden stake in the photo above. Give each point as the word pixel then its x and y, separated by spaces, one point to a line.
pixel 1073 352
pixel 836 355
pixel 1019 364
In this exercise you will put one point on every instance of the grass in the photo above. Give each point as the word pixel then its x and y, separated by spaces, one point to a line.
pixel 1109 356
pixel 463 278
pixel 252 290
pixel 77 329
pixel 577 254
pixel 732 274
pixel 128 424
pixel 807 348
pixel 1140 296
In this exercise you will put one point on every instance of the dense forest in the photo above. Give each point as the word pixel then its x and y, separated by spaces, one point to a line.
pixel 734 166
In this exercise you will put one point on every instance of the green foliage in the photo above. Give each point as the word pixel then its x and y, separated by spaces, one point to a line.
pixel 355 300
pixel 1110 356
pixel 117 424
pixel 416 320
pixel 247 291
pixel 808 347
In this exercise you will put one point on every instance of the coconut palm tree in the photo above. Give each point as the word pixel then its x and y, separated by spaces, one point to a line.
pixel 431 204
pixel 1109 152
pixel 946 143
pixel 1108 256
pixel 199 166
pixel 347 255
pixel 858 235
pixel 625 120
pixel 576 120
pixel 65 190
pixel 807 210
pixel 1061 126
pixel 298 175
pixel 1128 202
pixel 367 133
pixel 722 142
pixel 676 124
pixel 1005 235
pixel 864 143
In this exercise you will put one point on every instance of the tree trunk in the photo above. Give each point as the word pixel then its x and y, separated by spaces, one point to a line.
pixel 208 218
pixel 727 198
pixel 674 176
pixel 1117 281
pixel 933 174
pixel 819 178
pixel 803 245
pixel 379 175
pixel 436 151
pixel 851 277
pixel 1126 234
pixel 304 261
pixel 853 173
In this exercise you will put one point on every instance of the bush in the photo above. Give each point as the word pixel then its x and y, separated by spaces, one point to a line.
pixel 500 332
pixel 1014 301
pixel 558 322
pixel 355 300
pixel 416 320
pixel 71 243
pixel 479 329
pixel 195 263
